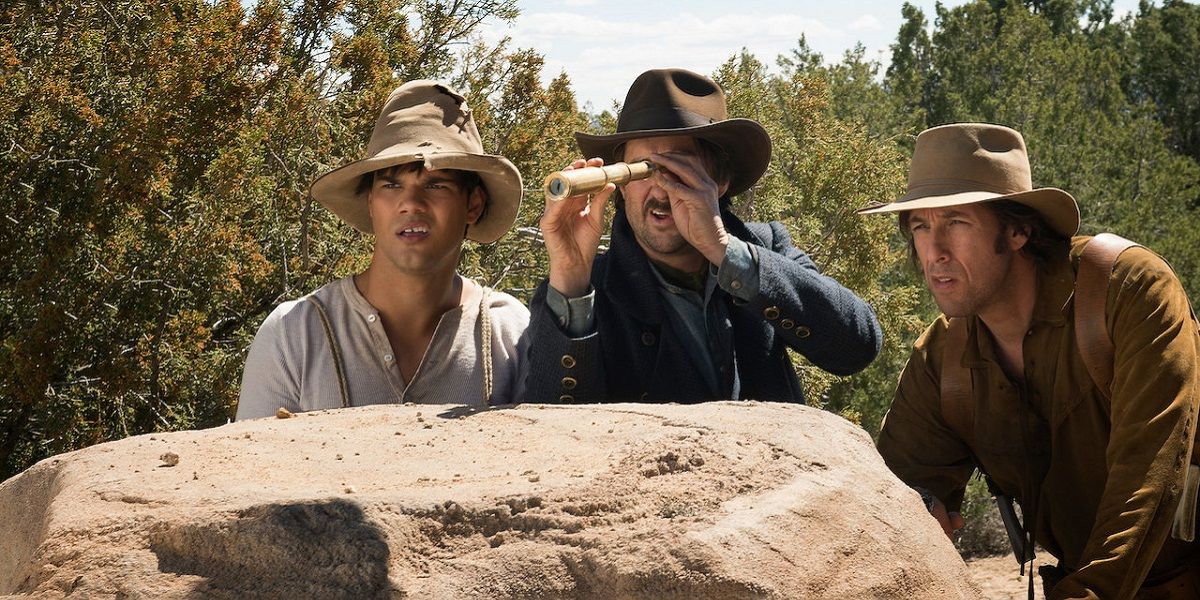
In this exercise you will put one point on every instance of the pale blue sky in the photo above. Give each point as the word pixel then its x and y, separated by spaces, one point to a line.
pixel 604 44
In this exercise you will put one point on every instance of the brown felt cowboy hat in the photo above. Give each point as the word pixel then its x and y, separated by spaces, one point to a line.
pixel 426 122
pixel 964 163
pixel 678 102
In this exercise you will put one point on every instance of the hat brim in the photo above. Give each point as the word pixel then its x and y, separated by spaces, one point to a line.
pixel 745 141
pixel 1056 206
pixel 336 189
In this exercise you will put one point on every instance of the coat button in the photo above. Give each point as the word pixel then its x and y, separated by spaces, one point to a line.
pixel 568 361
pixel 569 383
pixel 647 338
pixel 802 331
pixel 735 284
pixel 771 312
pixel 566 398
pixel 644 397
pixel 787 323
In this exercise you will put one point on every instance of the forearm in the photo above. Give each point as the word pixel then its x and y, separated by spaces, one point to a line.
pixel 814 314
pixel 561 368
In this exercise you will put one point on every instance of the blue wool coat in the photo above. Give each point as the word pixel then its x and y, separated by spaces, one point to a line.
pixel 635 356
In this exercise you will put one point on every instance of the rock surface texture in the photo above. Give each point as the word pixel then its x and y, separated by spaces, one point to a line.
pixel 723 500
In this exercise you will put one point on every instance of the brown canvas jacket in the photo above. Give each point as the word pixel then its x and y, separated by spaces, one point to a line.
pixel 1106 478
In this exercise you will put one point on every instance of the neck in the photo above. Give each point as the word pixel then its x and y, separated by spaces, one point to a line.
pixel 686 261
pixel 1009 317
pixel 409 300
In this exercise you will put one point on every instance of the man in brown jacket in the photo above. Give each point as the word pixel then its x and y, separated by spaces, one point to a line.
pixel 1098 480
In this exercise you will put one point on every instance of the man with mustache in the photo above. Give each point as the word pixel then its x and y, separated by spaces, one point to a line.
pixel 409 328
pixel 1013 378
pixel 689 304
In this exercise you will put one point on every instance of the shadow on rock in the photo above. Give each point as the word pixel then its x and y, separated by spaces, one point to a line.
pixel 323 549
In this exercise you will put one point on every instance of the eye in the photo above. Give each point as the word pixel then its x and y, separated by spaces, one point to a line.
pixel 915 227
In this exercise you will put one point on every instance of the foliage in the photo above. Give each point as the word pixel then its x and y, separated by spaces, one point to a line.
pixel 156 158
pixel 822 169
pixel 1060 85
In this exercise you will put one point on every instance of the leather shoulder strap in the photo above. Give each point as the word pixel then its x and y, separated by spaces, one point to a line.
pixel 958 408
pixel 1091 294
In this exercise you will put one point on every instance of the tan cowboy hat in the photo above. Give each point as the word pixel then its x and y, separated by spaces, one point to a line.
pixel 426 122
pixel 679 102
pixel 964 163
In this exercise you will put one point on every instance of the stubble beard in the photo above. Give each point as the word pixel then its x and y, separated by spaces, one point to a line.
pixel 983 294
pixel 663 242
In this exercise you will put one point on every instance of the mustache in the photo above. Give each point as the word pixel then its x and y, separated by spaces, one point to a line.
pixel 659 204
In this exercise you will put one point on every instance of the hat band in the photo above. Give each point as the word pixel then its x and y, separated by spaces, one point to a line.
pixel 661 118
pixel 962 185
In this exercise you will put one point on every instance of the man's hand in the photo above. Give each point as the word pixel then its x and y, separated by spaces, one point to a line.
pixel 950 521
pixel 694 202
pixel 572 228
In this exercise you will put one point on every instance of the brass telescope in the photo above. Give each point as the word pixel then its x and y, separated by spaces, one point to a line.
pixel 573 182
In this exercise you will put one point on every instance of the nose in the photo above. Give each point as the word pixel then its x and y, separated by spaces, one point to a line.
pixel 411 200
pixel 934 249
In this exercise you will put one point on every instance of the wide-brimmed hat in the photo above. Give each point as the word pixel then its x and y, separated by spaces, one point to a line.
pixel 426 122
pixel 964 163
pixel 679 102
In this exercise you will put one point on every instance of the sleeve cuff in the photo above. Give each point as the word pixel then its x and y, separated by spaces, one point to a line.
pixel 573 315
pixel 738 273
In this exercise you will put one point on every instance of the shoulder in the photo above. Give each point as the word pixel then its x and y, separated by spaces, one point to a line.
pixel 294 315
pixel 505 304
pixel 285 316
pixel 931 343
pixel 1133 264
pixel 1140 263
pixel 769 234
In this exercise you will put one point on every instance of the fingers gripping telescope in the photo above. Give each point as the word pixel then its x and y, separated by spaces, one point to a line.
pixel 573 182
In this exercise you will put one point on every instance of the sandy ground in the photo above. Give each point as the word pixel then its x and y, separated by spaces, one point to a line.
pixel 1000 578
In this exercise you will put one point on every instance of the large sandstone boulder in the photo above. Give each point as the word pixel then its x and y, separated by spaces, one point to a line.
pixel 723 500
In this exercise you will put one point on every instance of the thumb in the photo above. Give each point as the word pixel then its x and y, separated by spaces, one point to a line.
pixel 596 204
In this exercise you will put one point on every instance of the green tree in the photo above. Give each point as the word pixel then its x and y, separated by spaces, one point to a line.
pixel 155 163
pixel 1084 134
pixel 1164 51
pixel 822 169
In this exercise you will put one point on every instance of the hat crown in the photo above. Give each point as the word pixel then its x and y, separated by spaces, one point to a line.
pixel 968 157
pixel 671 99
pixel 427 116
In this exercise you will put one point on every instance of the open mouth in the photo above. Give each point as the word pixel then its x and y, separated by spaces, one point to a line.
pixel 660 213
pixel 941 281
pixel 413 232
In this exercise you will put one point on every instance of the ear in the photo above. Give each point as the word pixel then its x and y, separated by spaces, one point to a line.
pixel 1017 238
pixel 475 203
pixel 722 188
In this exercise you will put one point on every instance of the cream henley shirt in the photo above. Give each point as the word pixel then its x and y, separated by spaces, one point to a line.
pixel 290 363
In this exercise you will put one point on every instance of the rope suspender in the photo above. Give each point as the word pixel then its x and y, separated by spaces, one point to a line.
pixel 486 336
pixel 485 342
pixel 334 349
